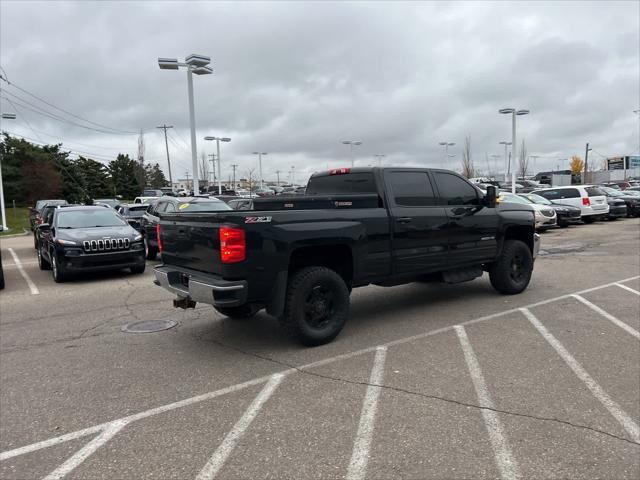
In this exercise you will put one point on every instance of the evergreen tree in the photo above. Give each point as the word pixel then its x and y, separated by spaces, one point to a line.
pixel 155 176
pixel 124 173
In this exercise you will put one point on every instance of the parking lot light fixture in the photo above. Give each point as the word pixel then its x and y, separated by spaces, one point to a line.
pixel 351 143
pixel 260 164
pixel 218 140
pixel 199 65
pixel 5 116
pixel 506 159
pixel 514 113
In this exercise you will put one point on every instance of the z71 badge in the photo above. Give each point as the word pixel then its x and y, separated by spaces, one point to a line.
pixel 257 219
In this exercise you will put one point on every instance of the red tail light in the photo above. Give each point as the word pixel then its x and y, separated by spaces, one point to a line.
pixel 233 247
pixel 159 237
pixel 339 171
pixel 586 202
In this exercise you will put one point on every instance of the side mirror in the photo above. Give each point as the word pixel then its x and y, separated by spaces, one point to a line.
pixel 44 226
pixel 490 197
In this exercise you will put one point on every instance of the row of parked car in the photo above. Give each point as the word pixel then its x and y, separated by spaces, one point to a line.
pixel 562 206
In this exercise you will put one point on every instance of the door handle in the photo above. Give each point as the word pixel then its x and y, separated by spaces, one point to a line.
pixel 404 219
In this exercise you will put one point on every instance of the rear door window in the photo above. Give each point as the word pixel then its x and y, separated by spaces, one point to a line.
pixel 362 182
pixel 453 190
pixel 569 193
pixel 412 189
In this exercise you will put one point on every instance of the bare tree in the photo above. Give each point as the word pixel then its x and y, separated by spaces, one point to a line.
pixel 468 170
pixel 249 175
pixel 523 161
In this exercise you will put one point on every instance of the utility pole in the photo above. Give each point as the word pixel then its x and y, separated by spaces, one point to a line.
pixel 234 175
pixel 278 174
pixel 586 163
pixel 164 127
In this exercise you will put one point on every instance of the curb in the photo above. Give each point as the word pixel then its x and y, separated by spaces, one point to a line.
pixel 24 234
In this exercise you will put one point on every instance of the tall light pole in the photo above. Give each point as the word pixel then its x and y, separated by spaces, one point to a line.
pixel 278 175
pixel 379 157
pixel 506 159
pixel 198 64
pixel 514 147
pixel 446 146
pixel 535 157
pixel 260 163
pixel 293 175
pixel 165 127
pixel 218 140
pixel 351 143
pixel 5 116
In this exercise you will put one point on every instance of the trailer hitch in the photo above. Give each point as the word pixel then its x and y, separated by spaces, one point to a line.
pixel 184 303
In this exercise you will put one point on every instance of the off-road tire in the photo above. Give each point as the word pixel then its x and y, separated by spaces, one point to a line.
pixel 240 312
pixel 304 284
pixel 507 278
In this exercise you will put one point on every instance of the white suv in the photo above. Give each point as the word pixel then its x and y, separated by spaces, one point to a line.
pixel 591 201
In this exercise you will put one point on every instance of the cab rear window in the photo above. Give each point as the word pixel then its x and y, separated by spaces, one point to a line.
pixel 216 206
pixel 362 182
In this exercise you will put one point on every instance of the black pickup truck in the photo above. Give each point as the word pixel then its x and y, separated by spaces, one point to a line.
pixel 300 256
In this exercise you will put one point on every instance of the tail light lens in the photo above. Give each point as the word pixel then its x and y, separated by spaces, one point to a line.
pixel 339 171
pixel 586 202
pixel 233 246
pixel 159 237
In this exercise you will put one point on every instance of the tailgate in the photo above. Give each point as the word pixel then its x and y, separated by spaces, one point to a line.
pixel 192 241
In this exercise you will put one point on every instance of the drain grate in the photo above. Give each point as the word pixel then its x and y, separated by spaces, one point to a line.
pixel 149 326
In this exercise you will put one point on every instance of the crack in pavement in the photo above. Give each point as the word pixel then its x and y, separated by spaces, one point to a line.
pixel 425 395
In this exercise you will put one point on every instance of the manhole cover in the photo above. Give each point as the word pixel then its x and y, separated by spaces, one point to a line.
pixel 149 326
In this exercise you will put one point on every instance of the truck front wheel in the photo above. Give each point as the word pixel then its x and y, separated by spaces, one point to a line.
pixel 316 307
pixel 511 272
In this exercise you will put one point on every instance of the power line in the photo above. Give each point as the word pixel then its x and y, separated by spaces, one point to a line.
pixel 41 111
pixel 115 130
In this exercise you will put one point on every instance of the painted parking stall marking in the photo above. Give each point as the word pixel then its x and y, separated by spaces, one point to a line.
pixel 507 465
pixel 361 448
pixel 628 289
pixel 360 457
pixel 620 415
pixel 608 316
pixel 32 286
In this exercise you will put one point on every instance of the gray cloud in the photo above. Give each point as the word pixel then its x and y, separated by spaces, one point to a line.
pixel 295 79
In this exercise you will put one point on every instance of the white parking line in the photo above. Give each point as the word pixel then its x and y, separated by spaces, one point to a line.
pixel 628 289
pixel 256 381
pixel 504 458
pixel 614 409
pixel 362 445
pixel 82 454
pixel 32 286
pixel 215 463
pixel 608 316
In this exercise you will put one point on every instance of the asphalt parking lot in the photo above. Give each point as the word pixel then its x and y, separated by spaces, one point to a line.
pixel 426 380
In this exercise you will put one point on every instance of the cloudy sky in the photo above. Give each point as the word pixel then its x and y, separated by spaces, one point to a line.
pixel 294 79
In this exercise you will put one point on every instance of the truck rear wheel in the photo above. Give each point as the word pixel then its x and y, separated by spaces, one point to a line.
pixel 511 273
pixel 316 306
pixel 243 311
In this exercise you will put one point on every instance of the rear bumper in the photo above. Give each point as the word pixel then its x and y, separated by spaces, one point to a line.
pixel 617 211
pixel 201 287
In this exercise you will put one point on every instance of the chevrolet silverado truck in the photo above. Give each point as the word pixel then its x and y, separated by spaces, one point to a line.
pixel 299 257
